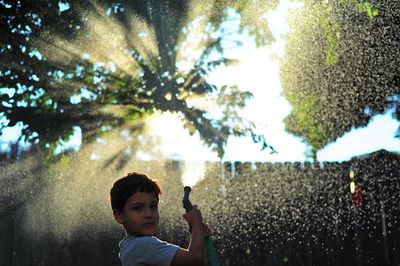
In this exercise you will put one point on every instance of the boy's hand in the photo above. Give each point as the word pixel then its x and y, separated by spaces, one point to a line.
pixel 194 216
pixel 207 230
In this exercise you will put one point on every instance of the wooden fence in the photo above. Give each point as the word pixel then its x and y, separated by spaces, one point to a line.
pixel 260 213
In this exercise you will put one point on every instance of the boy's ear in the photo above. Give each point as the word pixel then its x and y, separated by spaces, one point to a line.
pixel 118 216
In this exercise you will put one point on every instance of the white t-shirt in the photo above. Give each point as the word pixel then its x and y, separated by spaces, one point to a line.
pixel 146 250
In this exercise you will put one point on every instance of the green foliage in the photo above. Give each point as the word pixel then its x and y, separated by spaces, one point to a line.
pixel 321 11
pixel 303 122
pixel 364 6
pixel 368 8
pixel 340 67
pixel 332 32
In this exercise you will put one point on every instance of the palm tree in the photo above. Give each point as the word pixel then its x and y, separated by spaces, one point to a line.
pixel 124 61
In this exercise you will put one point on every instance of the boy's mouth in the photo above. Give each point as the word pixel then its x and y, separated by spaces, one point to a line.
pixel 149 224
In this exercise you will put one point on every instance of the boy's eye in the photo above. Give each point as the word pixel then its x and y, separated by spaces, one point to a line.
pixel 137 208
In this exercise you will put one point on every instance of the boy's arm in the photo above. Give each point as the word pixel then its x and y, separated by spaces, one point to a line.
pixel 194 254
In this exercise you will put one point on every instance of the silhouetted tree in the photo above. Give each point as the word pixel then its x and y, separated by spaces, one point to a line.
pixel 101 65
pixel 340 67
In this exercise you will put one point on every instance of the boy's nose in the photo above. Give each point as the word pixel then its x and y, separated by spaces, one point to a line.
pixel 148 212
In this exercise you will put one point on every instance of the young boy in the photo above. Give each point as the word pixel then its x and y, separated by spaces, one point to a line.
pixel 134 200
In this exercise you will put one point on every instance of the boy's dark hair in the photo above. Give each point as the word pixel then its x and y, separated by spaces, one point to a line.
pixel 128 185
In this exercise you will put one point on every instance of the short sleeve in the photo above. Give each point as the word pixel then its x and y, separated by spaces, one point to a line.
pixel 149 250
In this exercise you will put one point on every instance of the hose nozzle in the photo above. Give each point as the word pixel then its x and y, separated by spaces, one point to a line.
pixel 186 202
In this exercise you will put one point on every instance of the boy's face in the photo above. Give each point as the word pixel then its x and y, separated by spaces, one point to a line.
pixel 140 214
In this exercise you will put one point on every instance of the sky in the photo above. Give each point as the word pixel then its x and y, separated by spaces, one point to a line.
pixel 258 72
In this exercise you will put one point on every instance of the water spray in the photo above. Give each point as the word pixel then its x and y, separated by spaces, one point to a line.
pixel 187 205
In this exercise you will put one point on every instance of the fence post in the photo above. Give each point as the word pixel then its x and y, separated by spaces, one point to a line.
pixel 384 233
